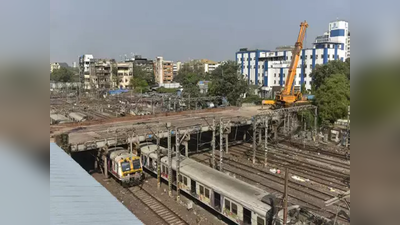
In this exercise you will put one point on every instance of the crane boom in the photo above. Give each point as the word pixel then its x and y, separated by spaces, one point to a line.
pixel 288 90
pixel 287 96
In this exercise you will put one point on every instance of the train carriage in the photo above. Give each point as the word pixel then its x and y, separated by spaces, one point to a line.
pixel 236 200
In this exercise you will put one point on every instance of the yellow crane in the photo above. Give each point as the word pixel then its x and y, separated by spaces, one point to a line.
pixel 288 97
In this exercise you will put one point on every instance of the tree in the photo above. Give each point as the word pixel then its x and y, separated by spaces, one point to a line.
pixel 114 75
pixel 323 72
pixel 189 75
pixel 62 75
pixel 142 73
pixel 303 89
pixel 333 98
pixel 227 81
pixel 138 84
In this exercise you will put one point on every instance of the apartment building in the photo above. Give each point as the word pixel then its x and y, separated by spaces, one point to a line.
pixel 100 72
pixel 163 71
pixel 125 74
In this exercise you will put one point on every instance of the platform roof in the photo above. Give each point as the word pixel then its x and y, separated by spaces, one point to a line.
pixel 77 198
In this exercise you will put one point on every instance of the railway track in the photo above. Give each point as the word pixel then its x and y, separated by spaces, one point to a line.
pixel 311 156
pixel 315 149
pixel 158 207
pixel 279 159
pixel 317 176
pixel 295 189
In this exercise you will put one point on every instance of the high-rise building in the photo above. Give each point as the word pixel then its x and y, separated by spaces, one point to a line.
pixel 268 68
pixel 84 70
pixel 163 71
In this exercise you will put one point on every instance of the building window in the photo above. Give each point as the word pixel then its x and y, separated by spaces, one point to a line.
pixel 322 56
pixel 311 56
pixel 274 74
pixel 305 82
pixel 301 57
pixel 316 56
pixel 305 57
pixel 305 66
pixel 274 81
pixel 263 66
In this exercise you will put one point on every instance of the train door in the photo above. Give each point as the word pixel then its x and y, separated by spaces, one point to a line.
pixel 217 201
pixel 193 187
pixel 246 216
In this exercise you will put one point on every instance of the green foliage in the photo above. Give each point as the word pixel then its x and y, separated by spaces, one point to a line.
pixel 323 72
pixel 167 90
pixel 303 89
pixel 114 75
pixel 252 98
pixel 139 84
pixel 227 81
pixel 333 98
pixel 62 75
pixel 141 73
pixel 189 75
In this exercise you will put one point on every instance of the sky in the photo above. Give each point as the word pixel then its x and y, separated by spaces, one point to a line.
pixel 181 30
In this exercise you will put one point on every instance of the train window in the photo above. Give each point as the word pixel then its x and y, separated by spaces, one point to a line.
pixel 185 181
pixel 260 221
pixel 234 208
pixel 207 193
pixel 227 205
pixel 180 178
pixel 126 166
pixel 201 190
pixel 136 164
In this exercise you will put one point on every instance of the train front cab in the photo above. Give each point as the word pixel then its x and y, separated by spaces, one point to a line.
pixel 131 170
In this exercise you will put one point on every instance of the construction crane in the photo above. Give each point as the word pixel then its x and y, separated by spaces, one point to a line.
pixel 288 97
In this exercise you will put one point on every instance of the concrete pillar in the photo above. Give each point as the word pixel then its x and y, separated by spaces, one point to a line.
pixel 169 160
pixel 226 143
pixel 105 166
pixel 221 150
pixel 254 141
pixel 158 163
pixel 185 143
pixel 213 144
pixel 266 142
pixel 260 136
pixel 178 164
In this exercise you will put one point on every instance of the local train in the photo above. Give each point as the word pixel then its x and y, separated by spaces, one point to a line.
pixel 125 166
pixel 236 200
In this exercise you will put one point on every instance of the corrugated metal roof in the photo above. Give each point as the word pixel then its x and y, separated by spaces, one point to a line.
pixel 77 198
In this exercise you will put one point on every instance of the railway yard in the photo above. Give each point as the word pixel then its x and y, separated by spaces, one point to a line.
pixel 252 145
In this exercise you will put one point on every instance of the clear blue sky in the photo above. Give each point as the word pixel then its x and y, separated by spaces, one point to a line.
pixel 182 30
